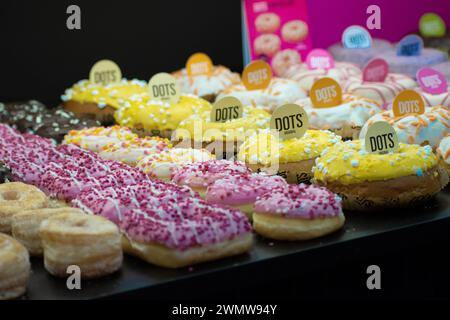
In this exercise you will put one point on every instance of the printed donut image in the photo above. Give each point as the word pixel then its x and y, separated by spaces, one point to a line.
pixel 294 31
pixel 267 23
pixel 284 59
pixel 267 44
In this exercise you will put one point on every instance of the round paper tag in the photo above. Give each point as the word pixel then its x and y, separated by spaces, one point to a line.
pixel 432 25
pixel 432 81
pixel 290 121
pixel 325 93
pixel 356 37
pixel 411 45
pixel 257 75
pixel 226 109
pixel 376 70
pixel 164 87
pixel 381 138
pixel 319 59
pixel 408 102
pixel 199 64
pixel 105 72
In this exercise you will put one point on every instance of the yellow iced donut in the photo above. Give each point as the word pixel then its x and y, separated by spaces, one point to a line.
pixel 150 117
pixel 293 159
pixel 367 180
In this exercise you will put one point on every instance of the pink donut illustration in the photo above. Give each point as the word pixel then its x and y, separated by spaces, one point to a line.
pixel 267 23
pixel 267 44
pixel 283 60
pixel 294 31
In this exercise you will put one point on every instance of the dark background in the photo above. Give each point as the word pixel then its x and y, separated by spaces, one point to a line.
pixel 40 57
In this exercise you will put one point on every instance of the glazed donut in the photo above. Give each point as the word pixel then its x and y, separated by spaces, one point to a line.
pixel 150 118
pixel 428 128
pixel 267 44
pixel 90 242
pixel 382 92
pixel 305 77
pixel 90 100
pixel 368 181
pixel 130 152
pixel 96 138
pixel 283 60
pixel 207 87
pixel 25 226
pixel 163 165
pixel 16 197
pixel 200 175
pixel 279 92
pixel 267 22
pixel 294 31
pixel 292 159
pixel 22 115
pixel 14 268
pixel 298 212
pixel 346 119
pixel 241 191
pixel 443 152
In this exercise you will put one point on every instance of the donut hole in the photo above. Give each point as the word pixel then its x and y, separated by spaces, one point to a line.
pixel 80 224
pixel 10 195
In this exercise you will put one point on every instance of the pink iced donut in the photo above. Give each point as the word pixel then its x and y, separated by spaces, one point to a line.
pixel 199 175
pixel 294 31
pixel 298 212
pixel 241 191
pixel 267 22
pixel 267 44
pixel 284 59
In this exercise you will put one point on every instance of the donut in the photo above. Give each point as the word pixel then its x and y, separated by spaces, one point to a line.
pixel 25 226
pixel 22 115
pixel 432 100
pixel 305 77
pixel 346 119
pixel 241 191
pixel 148 118
pixel 14 268
pixel 363 55
pixel 382 92
pixel 220 137
pixel 426 129
pixel 199 175
pixel 298 212
pixel 162 165
pixel 368 181
pixel 279 92
pixel 292 159
pixel 268 22
pixel 99 102
pixel 96 138
pixel 284 59
pixel 90 242
pixel 204 86
pixel 130 152
pixel 294 31
pixel 16 197
pixel 443 152
pixel 409 65
pixel 267 45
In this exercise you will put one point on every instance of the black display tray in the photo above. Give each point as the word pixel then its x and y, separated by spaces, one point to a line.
pixel 374 233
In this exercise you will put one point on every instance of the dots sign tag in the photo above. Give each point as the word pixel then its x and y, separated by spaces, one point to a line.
pixel 319 59
pixel 105 72
pixel 325 93
pixel 410 45
pixel 432 25
pixel 408 102
pixel 376 70
pixel 164 87
pixel 290 121
pixel 381 138
pixel 257 75
pixel 199 64
pixel 227 109
pixel 356 37
pixel 432 81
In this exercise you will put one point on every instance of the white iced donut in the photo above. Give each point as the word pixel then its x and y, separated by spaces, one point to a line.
pixel 267 44
pixel 284 59
pixel 294 31
pixel 267 22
